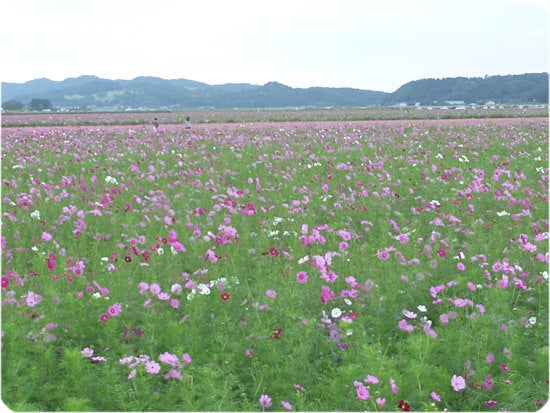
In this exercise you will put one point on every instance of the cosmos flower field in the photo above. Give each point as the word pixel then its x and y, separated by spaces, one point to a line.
pixel 303 266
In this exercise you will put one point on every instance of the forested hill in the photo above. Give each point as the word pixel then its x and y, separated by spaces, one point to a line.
pixel 91 92
pixel 527 88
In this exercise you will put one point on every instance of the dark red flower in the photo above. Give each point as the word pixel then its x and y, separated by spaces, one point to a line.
pixel 276 334
pixel 404 406
pixel 224 296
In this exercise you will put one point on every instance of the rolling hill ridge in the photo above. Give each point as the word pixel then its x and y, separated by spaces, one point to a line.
pixel 91 92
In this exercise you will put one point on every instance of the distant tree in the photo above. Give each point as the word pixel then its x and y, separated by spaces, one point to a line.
pixel 12 105
pixel 40 104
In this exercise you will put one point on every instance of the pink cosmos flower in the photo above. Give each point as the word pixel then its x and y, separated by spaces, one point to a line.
pixel 301 277
pixel 87 352
pixel 143 286
pixel 186 357
pixel 162 296
pixel 170 359
pixel 173 374
pixel 394 387
pixel 271 294
pixel 435 396
pixel 403 238
pixel 114 310
pixel 152 367
pixel 265 401
pixel 362 391
pixel 380 401
pixel 458 382
pixel 383 255
pixel 403 325
pixel 154 288
pixel 371 379
pixel 286 405
pixel 33 299
pixel 46 236
pixel 408 314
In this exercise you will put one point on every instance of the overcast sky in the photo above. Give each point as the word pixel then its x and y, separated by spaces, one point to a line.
pixel 367 44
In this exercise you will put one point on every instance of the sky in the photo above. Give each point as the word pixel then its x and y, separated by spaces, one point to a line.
pixel 366 44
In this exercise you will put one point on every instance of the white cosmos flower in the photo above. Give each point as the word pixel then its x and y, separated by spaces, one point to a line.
pixel 110 180
pixel 203 289
pixel 336 312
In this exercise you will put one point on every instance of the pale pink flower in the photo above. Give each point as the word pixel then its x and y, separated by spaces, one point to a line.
pixel 371 379
pixel 458 382
pixel 154 288
pixel 33 299
pixel 152 367
pixel 87 352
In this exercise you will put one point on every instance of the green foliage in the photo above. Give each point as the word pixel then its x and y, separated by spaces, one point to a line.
pixel 40 104
pixel 11 105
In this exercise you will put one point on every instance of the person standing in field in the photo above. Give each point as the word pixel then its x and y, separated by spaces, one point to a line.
pixel 156 123
pixel 187 122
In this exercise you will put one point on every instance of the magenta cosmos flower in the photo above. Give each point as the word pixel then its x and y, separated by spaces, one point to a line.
pixel 301 277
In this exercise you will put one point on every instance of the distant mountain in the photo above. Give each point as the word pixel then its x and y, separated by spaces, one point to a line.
pixel 91 92
pixel 152 93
